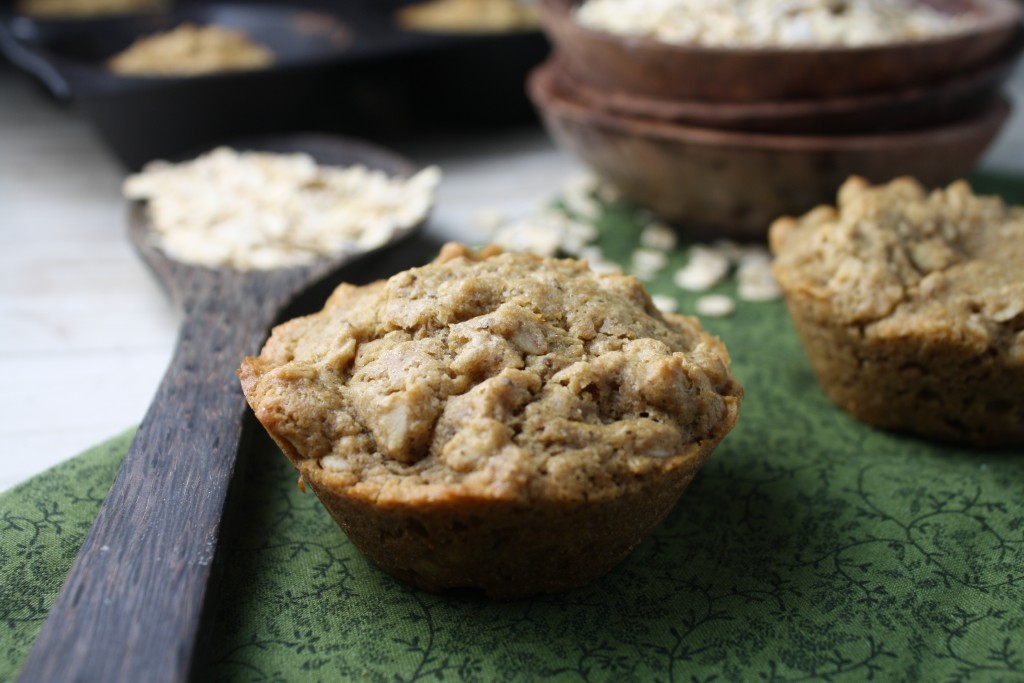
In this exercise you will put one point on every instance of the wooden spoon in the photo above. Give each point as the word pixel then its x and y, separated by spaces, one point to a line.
pixel 131 607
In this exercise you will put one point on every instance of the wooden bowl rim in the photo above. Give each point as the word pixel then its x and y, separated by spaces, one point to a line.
pixel 644 106
pixel 543 89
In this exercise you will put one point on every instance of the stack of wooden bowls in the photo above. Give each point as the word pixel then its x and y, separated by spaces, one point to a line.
pixel 724 140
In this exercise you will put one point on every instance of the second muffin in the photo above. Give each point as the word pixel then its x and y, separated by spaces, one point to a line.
pixel 495 421
pixel 911 307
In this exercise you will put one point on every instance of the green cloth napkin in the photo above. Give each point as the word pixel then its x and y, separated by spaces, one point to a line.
pixel 810 548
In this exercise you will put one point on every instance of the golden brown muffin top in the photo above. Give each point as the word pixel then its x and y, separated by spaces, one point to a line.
pixel 469 16
pixel 493 375
pixel 906 263
pixel 191 50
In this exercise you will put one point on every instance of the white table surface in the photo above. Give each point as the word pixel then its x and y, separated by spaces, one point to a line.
pixel 86 330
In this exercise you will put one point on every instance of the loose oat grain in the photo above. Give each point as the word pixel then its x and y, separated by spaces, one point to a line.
pixel 715 306
pixel 705 269
pixel 665 304
pixel 658 236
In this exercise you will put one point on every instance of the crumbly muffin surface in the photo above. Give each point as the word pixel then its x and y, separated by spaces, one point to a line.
pixel 903 263
pixel 491 375
pixel 910 307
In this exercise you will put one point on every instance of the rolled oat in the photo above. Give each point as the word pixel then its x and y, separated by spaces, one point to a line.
pixel 715 306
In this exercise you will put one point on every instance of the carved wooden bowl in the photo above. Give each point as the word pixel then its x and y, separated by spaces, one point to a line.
pixel 729 183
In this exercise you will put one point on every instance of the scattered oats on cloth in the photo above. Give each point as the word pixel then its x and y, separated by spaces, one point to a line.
pixel 658 236
pixel 258 210
pixel 715 306
pixel 756 23
pixel 646 263
pixel 706 268
pixel 756 281
pixel 568 226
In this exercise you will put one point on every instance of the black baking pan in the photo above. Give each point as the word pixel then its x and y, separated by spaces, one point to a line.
pixel 341 67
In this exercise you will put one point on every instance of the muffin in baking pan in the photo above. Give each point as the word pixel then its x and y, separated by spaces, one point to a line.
pixel 191 50
pixel 495 421
pixel 910 306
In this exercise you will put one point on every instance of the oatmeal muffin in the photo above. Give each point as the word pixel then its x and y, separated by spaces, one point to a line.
pixel 495 421
pixel 469 16
pixel 84 9
pixel 911 307
pixel 191 50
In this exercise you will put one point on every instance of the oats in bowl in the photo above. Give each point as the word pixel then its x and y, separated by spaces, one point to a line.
pixel 772 51
pixel 769 23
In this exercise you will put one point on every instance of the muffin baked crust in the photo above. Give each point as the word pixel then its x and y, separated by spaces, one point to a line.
pixel 911 307
pixel 495 420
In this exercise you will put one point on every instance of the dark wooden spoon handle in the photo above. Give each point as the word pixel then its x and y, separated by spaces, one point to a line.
pixel 131 606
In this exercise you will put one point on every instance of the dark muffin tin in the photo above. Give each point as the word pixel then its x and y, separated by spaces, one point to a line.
pixel 341 66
